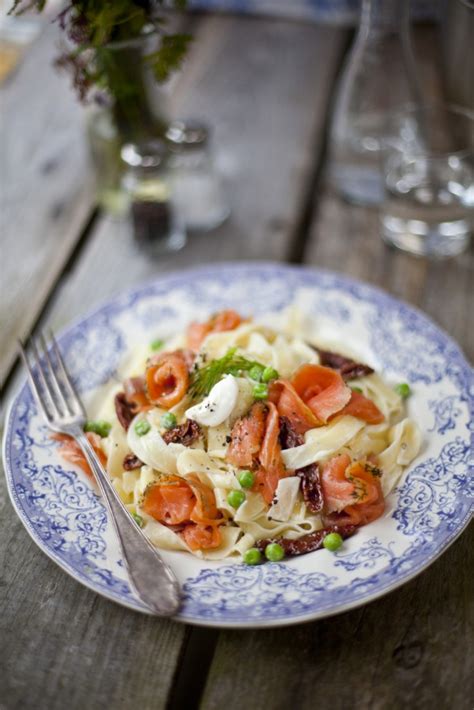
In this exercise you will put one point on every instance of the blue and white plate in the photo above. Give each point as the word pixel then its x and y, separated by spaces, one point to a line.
pixel 427 511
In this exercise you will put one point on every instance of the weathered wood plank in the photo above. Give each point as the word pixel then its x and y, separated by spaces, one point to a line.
pixel 64 646
pixel 347 238
pixel 401 651
pixel 264 86
pixel 411 648
pixel 267 105
pixel 45 194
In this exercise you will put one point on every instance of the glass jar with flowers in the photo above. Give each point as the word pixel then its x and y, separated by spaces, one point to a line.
pixel 118 54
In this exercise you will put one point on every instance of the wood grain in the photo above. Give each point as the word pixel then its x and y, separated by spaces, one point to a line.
pixel 46 196
pixel 347 238
pixel 63 646
pixel 258 101
pixel 412 648
pixel 409 649
pixel 264 85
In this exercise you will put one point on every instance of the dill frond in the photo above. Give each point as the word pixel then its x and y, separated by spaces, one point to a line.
pixel 204 378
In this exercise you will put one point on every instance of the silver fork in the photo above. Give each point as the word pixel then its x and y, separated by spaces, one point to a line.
pixel 151 578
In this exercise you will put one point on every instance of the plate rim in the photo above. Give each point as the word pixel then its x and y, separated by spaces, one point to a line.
pixel 209 270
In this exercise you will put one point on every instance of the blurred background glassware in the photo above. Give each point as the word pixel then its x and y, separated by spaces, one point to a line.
pixel 429 180
pixel 197 184
pixel 104 150
pixel 379 75
pixel 457 51
pixel 157 225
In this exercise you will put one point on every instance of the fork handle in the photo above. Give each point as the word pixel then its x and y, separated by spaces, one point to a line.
pixel 151 578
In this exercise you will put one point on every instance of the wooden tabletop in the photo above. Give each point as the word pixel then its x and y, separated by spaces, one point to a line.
pixel 266 86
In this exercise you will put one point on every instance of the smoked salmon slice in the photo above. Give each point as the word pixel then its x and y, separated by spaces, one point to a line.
pixel 199 537
pixel 170 503
pixel 322 389
pixel 205 509
pixel 222 321
pixel 352 493
pixel 291 406
pixel 363 408
pixel 70 451
pixel 167 379
pixel 176 500
pixel 337 489
pixel 247 436
pixel 271 468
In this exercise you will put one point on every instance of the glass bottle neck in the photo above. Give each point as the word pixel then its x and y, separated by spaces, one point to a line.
pixel 385 16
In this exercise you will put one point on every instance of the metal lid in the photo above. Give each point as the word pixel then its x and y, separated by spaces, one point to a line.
pixel 149 154
pixel 187 135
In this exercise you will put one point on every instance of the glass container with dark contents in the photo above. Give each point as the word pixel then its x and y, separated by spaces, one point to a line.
pixel 157 226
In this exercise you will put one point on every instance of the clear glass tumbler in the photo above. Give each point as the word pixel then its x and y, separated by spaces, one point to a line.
pixel 429 181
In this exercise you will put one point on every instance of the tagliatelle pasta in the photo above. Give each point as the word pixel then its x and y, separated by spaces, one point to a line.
pixel 321 450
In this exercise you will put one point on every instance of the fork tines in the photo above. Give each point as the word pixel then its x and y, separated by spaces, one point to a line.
pixel 50 381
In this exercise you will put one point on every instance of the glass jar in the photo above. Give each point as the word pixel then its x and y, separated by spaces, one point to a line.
pixel 379 77
pixel 120 117
pixel 196 182
pixel 104 151
pixel 156 223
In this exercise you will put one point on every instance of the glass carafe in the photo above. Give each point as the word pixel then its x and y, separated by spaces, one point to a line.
pixel 379 76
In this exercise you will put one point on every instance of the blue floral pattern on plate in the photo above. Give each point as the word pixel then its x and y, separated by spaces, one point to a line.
pixel 430 507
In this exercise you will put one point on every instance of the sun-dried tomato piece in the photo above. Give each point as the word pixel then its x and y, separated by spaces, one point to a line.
pixel 311 487
pixel 307 543
pixel 184 434
pixel 124 409
pixel 131 462
pixel 289 437
pixel 348 368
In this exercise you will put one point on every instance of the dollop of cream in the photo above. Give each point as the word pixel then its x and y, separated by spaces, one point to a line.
pixel 218 405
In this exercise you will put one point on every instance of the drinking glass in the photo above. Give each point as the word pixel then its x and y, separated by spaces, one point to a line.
pixel 156 222
pixel 429 181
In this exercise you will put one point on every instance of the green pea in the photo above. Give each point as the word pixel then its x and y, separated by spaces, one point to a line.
pixel 256 373
pixel 260 391
pixel 356 389
pixel 168 420
pixel 235 498
pixel 252 556
pixel 99 427
pixel 138 519
pixel 157 344
pixel 403 390
pixel 142 427
pixel 274 552
pixel 269 373
pixel 332 542
pixel 246 479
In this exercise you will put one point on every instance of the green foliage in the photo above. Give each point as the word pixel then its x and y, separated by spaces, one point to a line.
pixel 95 27
pixel 204 378
pixel 169 56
